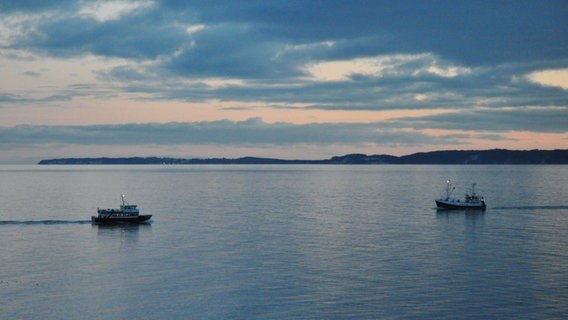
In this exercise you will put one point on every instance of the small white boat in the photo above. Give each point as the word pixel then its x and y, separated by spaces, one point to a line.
pixel 127 213
pixel 471 201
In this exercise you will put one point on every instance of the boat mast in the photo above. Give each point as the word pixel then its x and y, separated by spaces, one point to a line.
pixel 123 201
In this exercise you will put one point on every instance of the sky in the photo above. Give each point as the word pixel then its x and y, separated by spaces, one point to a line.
pixel 292 79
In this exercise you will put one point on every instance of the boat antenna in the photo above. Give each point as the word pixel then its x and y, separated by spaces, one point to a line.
pixel 448 191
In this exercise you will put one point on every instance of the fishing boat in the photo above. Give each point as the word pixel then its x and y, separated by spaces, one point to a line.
pixel 127 213
pixel 471 201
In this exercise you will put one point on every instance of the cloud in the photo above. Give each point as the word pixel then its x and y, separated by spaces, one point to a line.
pixel 463 31
pixel 424 66
pixel 491 65
pixel 6 98
pixel 253 131
pixel 554 78
pixel 141 34
pixel 551 120
pixel 232 51
pixel 103 11
pixel 32 74
pixel 392 82
pixel 255 32
pixel 33 6
pixel 430 50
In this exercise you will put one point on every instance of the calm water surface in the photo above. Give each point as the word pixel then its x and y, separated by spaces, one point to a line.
pixel 283 242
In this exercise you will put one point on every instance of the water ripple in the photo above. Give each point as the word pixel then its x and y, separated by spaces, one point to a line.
pixel 42 222
pixel 557 207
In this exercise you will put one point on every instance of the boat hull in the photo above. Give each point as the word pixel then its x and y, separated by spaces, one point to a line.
pixel 111 219
pixel 461 205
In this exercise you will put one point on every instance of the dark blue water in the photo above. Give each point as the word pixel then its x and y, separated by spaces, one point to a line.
pixel 283 242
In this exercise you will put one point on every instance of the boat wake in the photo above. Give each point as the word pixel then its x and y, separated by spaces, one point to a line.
pixel 561 207
pixel 43 222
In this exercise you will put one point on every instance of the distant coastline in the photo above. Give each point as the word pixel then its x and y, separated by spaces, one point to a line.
pixel 494 156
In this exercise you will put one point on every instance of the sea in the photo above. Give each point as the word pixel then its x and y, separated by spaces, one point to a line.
pixel 283 242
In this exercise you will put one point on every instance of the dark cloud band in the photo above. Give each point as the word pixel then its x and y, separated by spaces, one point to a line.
pixel 225 132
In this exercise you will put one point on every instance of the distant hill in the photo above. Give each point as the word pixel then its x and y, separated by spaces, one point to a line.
pixel 495 156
